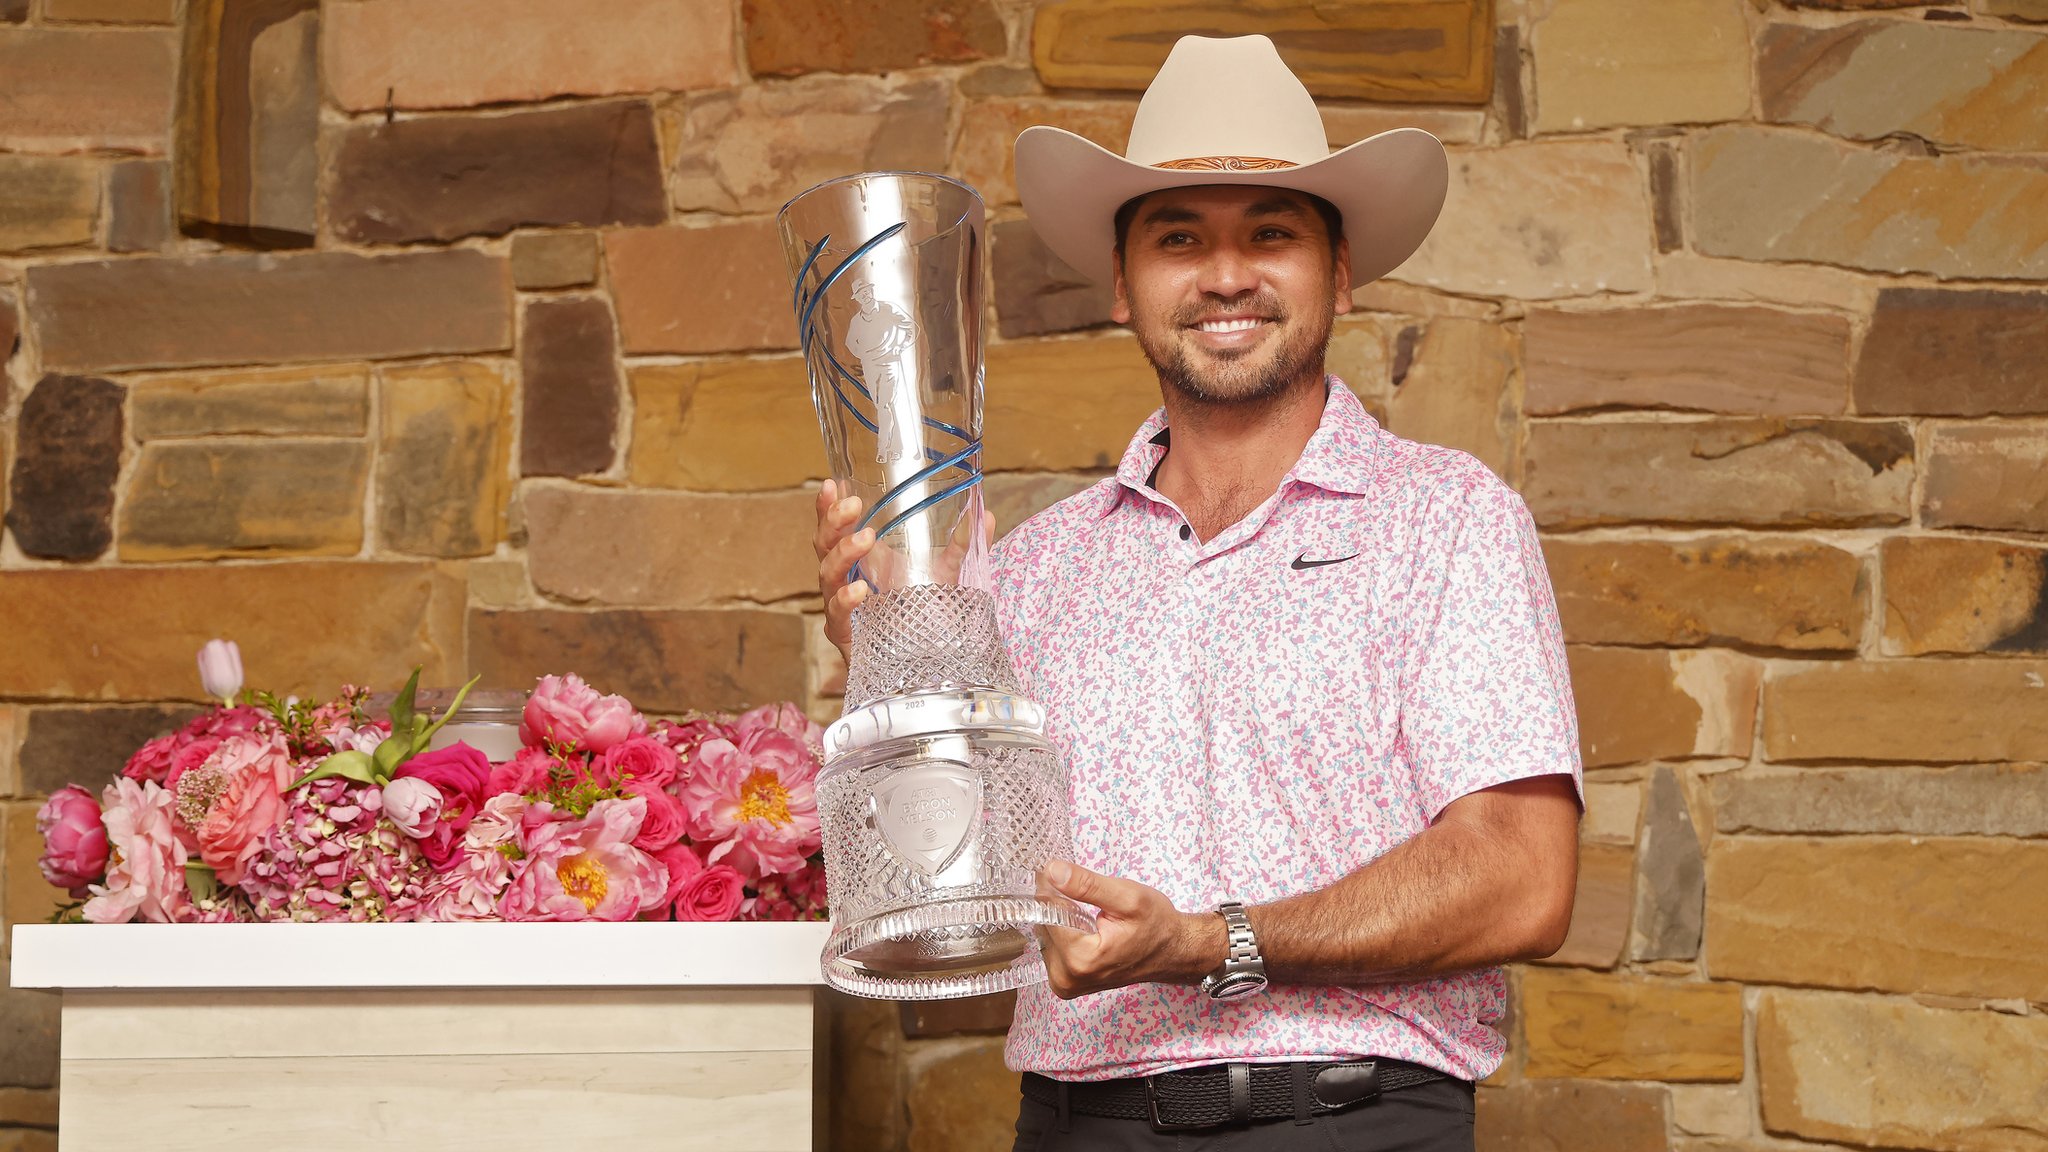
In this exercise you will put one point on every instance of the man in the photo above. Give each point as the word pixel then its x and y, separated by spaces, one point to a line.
pixel 881 336
pixel 1307 676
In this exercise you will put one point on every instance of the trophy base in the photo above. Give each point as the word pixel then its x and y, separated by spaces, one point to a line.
pixel 953 948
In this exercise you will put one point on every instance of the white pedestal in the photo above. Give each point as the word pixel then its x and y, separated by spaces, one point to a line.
pixel 488 1037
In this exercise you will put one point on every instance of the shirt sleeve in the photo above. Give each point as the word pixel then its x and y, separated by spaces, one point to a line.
pixel 1488 696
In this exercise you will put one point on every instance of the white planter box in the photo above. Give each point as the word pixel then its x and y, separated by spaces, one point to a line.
pixel 433 1036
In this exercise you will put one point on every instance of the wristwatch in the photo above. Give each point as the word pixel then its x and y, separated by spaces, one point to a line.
pixel 1244 971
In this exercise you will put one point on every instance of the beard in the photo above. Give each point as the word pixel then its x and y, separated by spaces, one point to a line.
pixel 1249 377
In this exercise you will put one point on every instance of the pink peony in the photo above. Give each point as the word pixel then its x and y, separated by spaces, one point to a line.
pixel 785 718
pixel 642 758
pixel 74 840
pixel 563 710
pixel 585 869
pixel 413 805
pixel 529 772
pixel 234 800
pixel 665 818
pixel 157 759
pixel 469 888
pixel 757 798
pixel 147 878
pixel 461 775
pixel 713 895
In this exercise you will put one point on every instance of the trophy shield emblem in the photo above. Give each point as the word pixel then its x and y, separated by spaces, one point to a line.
pixel 925 812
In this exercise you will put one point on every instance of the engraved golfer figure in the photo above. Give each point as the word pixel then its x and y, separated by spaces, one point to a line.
pixel 881 336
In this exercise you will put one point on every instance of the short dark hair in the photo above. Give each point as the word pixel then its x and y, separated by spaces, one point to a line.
pixel 1333 220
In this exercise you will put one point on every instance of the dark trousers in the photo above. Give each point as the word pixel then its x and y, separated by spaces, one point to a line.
pixel 1433 1117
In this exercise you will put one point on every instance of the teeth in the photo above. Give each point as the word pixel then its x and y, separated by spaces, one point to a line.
pixel 1230 325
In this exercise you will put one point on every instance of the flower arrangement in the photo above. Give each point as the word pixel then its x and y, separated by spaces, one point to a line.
pixel 267 809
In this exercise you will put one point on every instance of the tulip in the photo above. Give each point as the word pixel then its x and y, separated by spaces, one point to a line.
pixel 413 805
pixel 220 670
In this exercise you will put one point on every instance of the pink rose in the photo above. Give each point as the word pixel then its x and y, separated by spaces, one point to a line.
pixel 531 771
pixel 147 878
pixel 461 775
pixel 253 772
pixel 74 840
pixel 198 751
pixel 713 895
pixel 585 869
pixel 683 865
pixel 665 818
pixel 152 761
pixel 563 710
pixel 642 758
pixel 413 805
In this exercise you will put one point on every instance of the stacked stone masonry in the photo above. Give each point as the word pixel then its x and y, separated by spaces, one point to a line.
pixel 376 333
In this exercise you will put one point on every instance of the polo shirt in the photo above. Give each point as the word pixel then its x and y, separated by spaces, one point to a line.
pixel 1256 715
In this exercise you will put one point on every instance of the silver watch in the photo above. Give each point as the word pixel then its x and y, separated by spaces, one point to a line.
pixel 1244 971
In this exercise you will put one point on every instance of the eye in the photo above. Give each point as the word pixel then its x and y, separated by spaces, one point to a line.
pixel 1272 232
pixel 1176 240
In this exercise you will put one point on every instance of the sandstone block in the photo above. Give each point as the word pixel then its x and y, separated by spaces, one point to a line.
pixel 52 202
pixel 1054 405
pixel 2026 11
pixel 33 1107
pixel 960 1096
pixel 718 288
pixel 1613 812
pixel 1570 1116
pixel 664 661
pixel 1859 5
pixel 330 400
pixel 1943 353
pixel 752 149
pixel 139 206
pixel 1348 124
pixel 924 1019
pixel 669 548
pixel 731 425
pixel 1358 355
pixel 1702 357
pixel 1036 292
pixel 1958 595
pixel 1600 908
pixel 865 1070
pixel 1955 917
pixel 112 11
pixel 788 37
pixel 306 308
pixel 1014 497
pixel 1599 65
pixel 1407 53
pixel 248 140
pixel 1671 885
pixel 1765 194
pixel 80 89
pixel 1869 1071
pixel 1540 222
pixel 1757 591
pixel 208 499
pixel 1769 473
pixel 1685 275
pixel 1925 711
pixel 13 723
pixel 1590 1025
pixel 984 151
pixel 1962 87
pixel 1705 1110
pixel 1641 704
pixel 445 177
pixel 443 459
pixel 10 328
pixel 1462 392
pixel 1986 476
pixel 542 260
pixel 129 634
pixel 13 11
pixel 67 457
pixel 499 583
pixel 459 53
pixel 26 898
pixel 1966 800
pixel 569 376
pixel 28 1026
pixel 88 746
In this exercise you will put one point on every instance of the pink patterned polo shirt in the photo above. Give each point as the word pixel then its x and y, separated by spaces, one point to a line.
pixel 1256 715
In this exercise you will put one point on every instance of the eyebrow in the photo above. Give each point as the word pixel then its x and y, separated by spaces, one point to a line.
pixel 1273 206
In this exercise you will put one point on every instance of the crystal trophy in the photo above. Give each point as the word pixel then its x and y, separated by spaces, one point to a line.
pixel 941 797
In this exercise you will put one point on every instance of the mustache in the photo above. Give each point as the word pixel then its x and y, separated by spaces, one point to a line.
pixel 1263 305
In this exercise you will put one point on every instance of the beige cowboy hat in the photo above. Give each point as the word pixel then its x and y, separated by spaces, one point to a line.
pixel 1229 112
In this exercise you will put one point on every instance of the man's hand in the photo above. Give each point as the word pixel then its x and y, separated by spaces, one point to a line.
pixel 1139 937
pixel 839 548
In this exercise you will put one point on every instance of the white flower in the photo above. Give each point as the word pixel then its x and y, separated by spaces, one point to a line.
pixel 220 670
pixel 413 805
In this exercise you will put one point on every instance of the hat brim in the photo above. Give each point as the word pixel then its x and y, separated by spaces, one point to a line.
pixel 1390 189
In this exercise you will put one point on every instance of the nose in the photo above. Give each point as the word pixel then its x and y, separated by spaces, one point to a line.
pixel 1228 272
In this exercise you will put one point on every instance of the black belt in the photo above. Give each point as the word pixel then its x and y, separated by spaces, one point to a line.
pixel 1231 1093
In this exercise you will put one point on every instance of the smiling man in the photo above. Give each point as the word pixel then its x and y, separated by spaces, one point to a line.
pixel 1307 675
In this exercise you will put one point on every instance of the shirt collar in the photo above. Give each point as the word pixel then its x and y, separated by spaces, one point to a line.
pixel 1339 457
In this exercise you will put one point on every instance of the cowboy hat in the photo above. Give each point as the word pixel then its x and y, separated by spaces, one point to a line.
pixel 1228 111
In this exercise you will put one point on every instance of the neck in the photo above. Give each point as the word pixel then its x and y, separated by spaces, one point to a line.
pixel 1226 459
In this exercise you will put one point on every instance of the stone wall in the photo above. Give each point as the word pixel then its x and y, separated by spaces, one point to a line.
pixel 383 332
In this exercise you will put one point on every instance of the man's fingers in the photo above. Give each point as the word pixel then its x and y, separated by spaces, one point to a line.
pixel 841 557
pixel 1112 894
pixel 834 518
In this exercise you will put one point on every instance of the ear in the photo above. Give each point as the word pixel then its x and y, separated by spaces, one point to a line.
pixel 1120 306
pixel 1340 272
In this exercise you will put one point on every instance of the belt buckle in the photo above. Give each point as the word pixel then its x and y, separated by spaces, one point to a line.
pixel 1159 1122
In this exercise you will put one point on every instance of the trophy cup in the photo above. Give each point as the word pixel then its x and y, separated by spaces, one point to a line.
pixel 940 798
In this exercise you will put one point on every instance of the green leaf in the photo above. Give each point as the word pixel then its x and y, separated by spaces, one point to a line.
pixel 355 765
pixel 390 754
pixel 401 707
pixel 457 703
pixel 199 880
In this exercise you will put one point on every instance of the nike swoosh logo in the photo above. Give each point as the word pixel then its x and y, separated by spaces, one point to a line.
pixel 1302 563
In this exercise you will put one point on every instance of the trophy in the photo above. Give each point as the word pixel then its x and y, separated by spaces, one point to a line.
pixel 940 797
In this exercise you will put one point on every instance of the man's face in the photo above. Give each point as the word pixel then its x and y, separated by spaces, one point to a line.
pixel 1231 290
pixel 864 295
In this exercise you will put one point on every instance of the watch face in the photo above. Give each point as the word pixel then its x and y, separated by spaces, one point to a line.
pixel 1237 984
